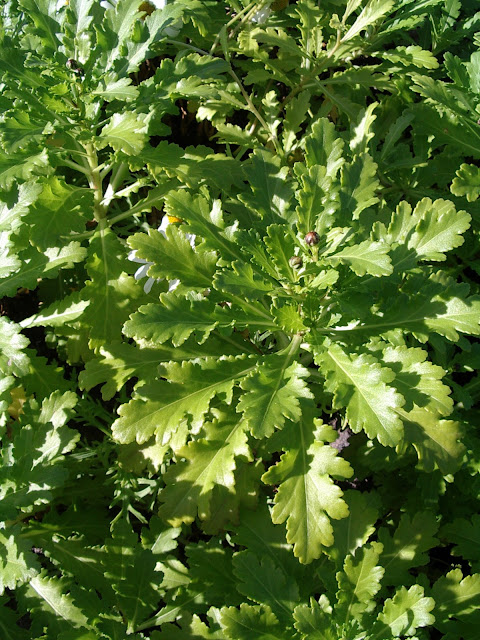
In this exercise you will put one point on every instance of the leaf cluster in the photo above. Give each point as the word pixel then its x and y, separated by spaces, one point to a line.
pixel 240 319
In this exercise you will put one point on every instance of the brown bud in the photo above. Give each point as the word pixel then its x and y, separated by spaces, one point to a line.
pixel 75 67
pixel 296 262
pixel 312 238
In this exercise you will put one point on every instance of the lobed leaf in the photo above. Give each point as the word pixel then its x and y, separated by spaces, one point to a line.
pixel 273 392
pixel 159 408
pixel 361 385
pixel 307 497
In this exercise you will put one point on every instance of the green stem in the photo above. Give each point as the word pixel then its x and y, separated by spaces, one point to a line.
pixel 118 175
pixel 255 112
pixel 229 24
pixel 95 182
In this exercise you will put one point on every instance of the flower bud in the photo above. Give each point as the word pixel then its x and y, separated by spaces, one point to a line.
pixel 75 67
pixel 312 238
pixel 296 262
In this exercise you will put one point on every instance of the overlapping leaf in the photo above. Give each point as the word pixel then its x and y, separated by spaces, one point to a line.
pixel 160 407
pixel 272 395
pixel 173 257
pixel 207 462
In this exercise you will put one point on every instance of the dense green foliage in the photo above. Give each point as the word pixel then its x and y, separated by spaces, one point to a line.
pixel 275 435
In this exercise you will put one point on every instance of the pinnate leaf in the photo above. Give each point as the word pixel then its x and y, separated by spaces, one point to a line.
pixel 359 582
pixel 315 621
pixel 361 384
pixel 207 462
pixel 125 132
pixel 407 611
pixel 17 562
pixel 12 345
pixel 467 182
pixel 436 441
pixel 173 319
pixel 264 583
pixel 160 407
pixel 242 281
pixel 172 257
pixel 407 547
pixel 307 497
pixel 373 11
pixel 456 596
pixel 251 623
pixel 323 147
pixel 418 380
pixel 272 394
pixel 359 186
pixel 466 536
pixel 354 530
pixel 366 257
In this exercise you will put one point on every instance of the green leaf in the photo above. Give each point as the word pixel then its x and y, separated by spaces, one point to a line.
pixel 272 395
pixel 32 461
pixel 407 611
pixel 250 623
pixel 160 407
pixel 446 312
pixel 318 201
pixel 448 129
pixel 204 221
pixel 17 563
pixel 118 363
pixel 280 244
pixel 211 572
pixel 208 462
pixel 112 88
pixel 173 257
pixel 362 133
pixel 174 318
pixel 315 621
pixel 12 345
pixel 354 530
pixel 264 583
pixel 289 319
pixel 407 547
pixel 125 132
pixel 110 290
pixel 242 281
pixel 417 379
pixel 465 534
pixel 431 230
pixel 359 186
pixel 437 442
pixel 51 594
pixel 307 497
pixel 410 56
pixel 37 265
pixel 193 166
pixel 295 113
pixel 366 257
pixel 455 596
pixel 11 217
pixel 467 182
pixel 22 166
pixel 372 11
pixel 324 148
pixel 359 582
pixel 58 211
pixel 272 191
pixel 135 587
pixel 57 314
pixel 361 385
